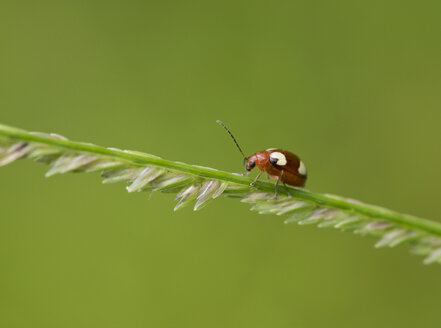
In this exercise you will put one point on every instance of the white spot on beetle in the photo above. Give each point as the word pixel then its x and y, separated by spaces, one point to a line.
pixel 281 159
pixel 302 168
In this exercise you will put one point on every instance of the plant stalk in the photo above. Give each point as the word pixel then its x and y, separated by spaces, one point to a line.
pixel 140 159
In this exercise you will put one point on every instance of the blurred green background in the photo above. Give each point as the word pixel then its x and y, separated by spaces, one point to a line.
pixel 352 87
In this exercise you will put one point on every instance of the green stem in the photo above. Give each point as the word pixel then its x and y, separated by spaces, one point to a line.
pixel 145 159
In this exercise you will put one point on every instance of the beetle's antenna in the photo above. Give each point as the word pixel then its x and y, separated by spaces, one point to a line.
pixel 234 139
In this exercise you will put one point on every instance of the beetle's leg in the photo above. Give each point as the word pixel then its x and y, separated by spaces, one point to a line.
pixel 287 190
pixel 284 184
pixel 275 188
pixel 255 180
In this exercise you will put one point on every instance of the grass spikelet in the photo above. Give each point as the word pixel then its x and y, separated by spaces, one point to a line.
pixel 69 162
pixel 349 221
pixel 434 257
pixel 171 182
pixel 206 193
pixel 113 176
pixel 186 196
pixel 16 151
pixel 300 215
pixel 143 177
pixel 390 237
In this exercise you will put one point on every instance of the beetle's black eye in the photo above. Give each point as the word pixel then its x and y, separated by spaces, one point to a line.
pixel 252 164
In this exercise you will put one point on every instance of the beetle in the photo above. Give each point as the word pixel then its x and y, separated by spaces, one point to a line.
pixel 279 164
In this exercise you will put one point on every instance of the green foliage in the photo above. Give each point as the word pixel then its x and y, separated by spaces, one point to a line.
pixel 199 185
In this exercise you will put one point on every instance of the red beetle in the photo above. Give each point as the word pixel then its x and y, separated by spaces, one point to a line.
pixel 279 164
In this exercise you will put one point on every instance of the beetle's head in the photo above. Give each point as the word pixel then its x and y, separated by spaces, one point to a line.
pixel 250 162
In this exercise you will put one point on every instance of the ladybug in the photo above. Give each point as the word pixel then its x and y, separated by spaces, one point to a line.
pixel 279 164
